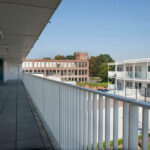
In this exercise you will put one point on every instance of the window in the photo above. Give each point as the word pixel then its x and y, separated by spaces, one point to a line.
pixel 65 64
pixel 148 68
pixel 129 68
pixel 54 72
pixel 42 63
pixel 62 64
pixel 79 72
pixel 65 72
pixel 69 65
pixel 75 64
pixel 82 64
pixel 120 68
pixel 62 72
pixel 85 64
pixel 54 64
pixel 85 72
pixel 58 64
pixel 82 72
pixel 47 64
pixel 72 72
pixel 51 73
pixel 27 65
pixel 85 79
pixel 39 64
pixel 50 64
pixel 75 72
pixel 35 64
pixel 58 72
pixel 138 68
pixel 129 84
pixel 69 72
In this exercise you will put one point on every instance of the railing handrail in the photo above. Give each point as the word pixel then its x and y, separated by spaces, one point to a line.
pixel 115 97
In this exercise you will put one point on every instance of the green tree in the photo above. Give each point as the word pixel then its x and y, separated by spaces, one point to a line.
pixel 47 58
pixel 59 57
pixel 99 66
pixel 91 66
pixel 71 57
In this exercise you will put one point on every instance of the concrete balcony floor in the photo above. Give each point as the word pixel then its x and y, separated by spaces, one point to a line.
pixel 20 126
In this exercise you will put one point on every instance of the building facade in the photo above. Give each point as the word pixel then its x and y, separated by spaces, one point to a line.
pixel 130 75
pixel 75 70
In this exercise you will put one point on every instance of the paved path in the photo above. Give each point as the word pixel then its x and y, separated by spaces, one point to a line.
pixel 20 126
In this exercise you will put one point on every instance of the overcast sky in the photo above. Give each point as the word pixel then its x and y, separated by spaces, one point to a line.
pixel 120 28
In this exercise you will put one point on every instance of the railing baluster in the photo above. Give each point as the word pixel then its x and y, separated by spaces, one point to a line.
pixel 133 127
pixel 145 129
pixel 115 125
pixel 77 117
pixel 89 120
pixel 85 119
pixel 60 115
pixel 100 131
pixel 125 125
pixel 107 123
pixel 71 100
pixel 95 122
pixel 81 119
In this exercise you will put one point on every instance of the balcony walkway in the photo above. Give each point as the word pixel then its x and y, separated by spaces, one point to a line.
pixel 20 126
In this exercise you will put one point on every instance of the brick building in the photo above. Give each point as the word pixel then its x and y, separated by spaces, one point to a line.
pixel 77 70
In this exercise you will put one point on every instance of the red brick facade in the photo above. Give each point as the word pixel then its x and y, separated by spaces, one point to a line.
pixel 77 70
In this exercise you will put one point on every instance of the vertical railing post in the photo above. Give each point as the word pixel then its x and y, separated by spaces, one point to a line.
pixel 81 119
pixel 95 122
pixel 90 97
pixel 115 125
pixel 100 131
pixel 77 108
pixel 107 123
pixel 145 129
pixel 125 125
pixel 133 127
pixel 85 119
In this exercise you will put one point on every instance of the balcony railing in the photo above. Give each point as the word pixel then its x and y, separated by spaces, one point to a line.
pixel 75 115
pixel 120 74
pixel 111 73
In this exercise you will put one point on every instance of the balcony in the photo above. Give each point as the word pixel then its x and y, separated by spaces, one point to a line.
pixel 78 118
pixel 129 75
pixel 120 74
pixel 111 74
pixel 20 125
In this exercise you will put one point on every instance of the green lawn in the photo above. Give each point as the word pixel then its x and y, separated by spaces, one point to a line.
pixel 102 84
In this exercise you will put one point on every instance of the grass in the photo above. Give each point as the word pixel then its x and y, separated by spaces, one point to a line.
pixel 120 142
pixel 102 84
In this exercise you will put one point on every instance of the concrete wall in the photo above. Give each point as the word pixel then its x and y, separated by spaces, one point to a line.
pixel 11 70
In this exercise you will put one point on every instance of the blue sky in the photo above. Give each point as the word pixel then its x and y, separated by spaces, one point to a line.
pixel 120 28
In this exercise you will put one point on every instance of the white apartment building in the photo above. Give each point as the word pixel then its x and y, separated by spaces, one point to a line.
pixel 130 75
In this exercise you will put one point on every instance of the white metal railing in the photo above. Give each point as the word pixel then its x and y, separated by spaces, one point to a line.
pixel 79 117
pixel 111 73
pixel 111 86
pixel 120 74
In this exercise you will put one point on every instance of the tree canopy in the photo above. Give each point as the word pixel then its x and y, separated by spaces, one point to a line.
pixel 47 58
pixel 68 57
pixel 98 66
pixel 59 57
